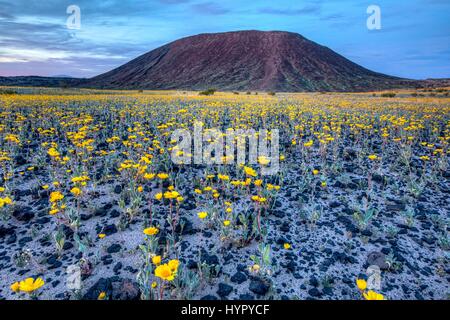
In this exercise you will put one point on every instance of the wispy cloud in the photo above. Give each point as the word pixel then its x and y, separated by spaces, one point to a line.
pixel 27 55
pixel 291 12
pixel 209 8
pixel 174 1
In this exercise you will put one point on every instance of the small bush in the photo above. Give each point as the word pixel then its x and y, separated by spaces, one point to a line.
pixel 208 92
pixel 271 93
pixel 388 94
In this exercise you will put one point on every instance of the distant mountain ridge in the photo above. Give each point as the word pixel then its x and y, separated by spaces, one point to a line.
pixel 36 81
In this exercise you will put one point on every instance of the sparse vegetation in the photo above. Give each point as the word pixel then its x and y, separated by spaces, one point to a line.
pixel 7 91
pixel 87 182
pixel 208 92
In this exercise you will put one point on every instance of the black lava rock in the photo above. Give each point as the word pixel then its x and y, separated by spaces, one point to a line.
pixel 23 213
pixel 114 213
pixel 114 248
pixel 209 297
pixel 238 277
pixel 314 292
pixel 259 287
pixel 6 231
pixel 187 227
pixel 101 212
pixel 25 240
pixel 117 267
pixel 109 229
pixel 20 160
pixel 118 189
pixel 209 259
pixel 102 285
pixel 224 290
pixel 313 281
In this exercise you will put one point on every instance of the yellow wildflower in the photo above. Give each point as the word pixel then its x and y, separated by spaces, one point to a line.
pixel 30 285
pixel 372 295
pixel 249 171
pixel 15 287
pixel 202 215
pixel 361 284
pixel 164 272
pixel 151 231
pixel 75 191
pixel 56 196
pixel 101 296
pixel 156 260
pixel 163 176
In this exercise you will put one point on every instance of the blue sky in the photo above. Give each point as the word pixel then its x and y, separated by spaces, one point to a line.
pixel 414 40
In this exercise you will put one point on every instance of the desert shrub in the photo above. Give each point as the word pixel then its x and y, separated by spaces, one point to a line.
pixel 208 92
pixel 271 93
pixel 388 94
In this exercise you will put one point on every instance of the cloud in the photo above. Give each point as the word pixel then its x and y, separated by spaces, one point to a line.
pixel 291 12
pixel 332 17
pixel 89 8
pixel 174 1
pixel 11 60
pixel 438 2
pixel 4 15
pixel 34 38
pixel 30 47
pixel 27 55
pixel 209 8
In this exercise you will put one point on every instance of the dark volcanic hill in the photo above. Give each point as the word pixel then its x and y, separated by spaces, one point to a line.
pixel 245 60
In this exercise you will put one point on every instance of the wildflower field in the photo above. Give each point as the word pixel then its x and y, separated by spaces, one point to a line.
pixel 93 207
